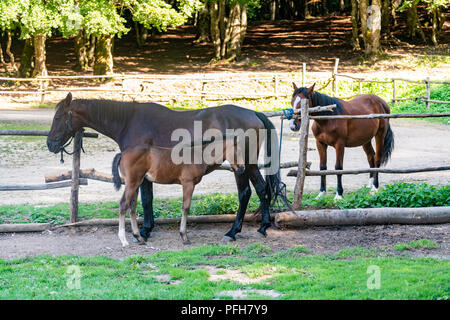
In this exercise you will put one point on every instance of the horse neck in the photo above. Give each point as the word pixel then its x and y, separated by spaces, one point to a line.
pixel 97 117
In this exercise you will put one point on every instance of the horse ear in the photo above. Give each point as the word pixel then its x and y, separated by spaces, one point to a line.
pixel 311 89
pixel 68 100
pixel 294 85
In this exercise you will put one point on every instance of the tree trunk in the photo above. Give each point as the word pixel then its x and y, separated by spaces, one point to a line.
pixel 394 6
pixel 27 59
pixel 413 22
pixel 341 5
pixel 227 32
pixel 372 36
pixel 2 60
pixel 9 52
pixel 305 9
pixel 362 5
pixel 354 19
pixel 103 55
pixel 141 34
pixel 40 69
pixel 434 27
pixel 273 9
pixel 386 19
pixel 80 43
pixel 203 25
pixel 215 29
pixel 91 50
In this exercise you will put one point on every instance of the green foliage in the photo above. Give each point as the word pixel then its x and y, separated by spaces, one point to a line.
pixel 399 195
pixel 394 195
pixel 9 14
pixel 419 244
pixel 100 17
pixel 437 92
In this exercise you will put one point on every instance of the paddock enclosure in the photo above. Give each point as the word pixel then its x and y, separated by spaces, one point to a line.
pixel 139 86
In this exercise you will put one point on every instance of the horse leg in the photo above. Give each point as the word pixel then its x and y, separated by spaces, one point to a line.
pixel 322 148
pixel 370 153
pixel 147 205
pixel 134 225
pixel 379 141
pixel 127 197
pixel 188 189
pixel 260 186
pixel 244 193
pixel 339 166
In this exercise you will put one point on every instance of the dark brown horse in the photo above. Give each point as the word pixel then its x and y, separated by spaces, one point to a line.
pixel 144 133
pixel 341 134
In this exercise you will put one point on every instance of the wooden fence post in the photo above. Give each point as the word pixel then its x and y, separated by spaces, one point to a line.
pixel 303 150
pixel 394 91
pixel 334 76
pixel 75 176
pixel 427 82
pixel 360 87
pixel 42 89
pixel 275 79
pixel 304 74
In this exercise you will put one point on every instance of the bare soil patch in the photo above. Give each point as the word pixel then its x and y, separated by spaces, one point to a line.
pixel 88 241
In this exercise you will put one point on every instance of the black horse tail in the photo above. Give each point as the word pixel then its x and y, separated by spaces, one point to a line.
pixel 274 186
pixel 115 171
pixel 388 146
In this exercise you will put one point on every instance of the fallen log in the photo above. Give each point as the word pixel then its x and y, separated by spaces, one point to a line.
pixel 46 186
pixel 25 227
pixel 366 216
pixel 220 218
pixel 86 174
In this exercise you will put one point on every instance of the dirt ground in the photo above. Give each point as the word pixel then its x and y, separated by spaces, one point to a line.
pixel 92 241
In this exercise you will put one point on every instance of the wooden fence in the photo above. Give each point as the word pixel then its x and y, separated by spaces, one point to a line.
pixel 79 177
pixel 139 89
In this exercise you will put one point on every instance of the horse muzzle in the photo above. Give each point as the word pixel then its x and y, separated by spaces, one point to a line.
pixel 294 125
pixel 53 145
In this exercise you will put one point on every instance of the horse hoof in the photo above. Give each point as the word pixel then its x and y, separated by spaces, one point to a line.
pixel 373 190
pixel 125 245
pixel 320 195
pixel 186 242
pixel 337 198
pixel 262 233
pixel 227 239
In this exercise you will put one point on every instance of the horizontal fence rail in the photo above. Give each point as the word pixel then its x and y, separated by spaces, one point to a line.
pixel 293 173
pixel 39 133
pixel 382 115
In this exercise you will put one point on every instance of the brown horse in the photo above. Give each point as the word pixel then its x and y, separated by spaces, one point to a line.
pixel 350 133
pixel 144 133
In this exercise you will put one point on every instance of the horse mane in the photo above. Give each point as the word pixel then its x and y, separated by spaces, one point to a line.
pixel 115 110
pixel 320 99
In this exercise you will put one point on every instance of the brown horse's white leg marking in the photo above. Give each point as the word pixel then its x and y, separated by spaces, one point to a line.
pixel 122 213
pixel 188 189
pixel 134 225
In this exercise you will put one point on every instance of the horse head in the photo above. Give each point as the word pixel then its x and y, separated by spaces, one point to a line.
pixel 300 95
pixel 63 125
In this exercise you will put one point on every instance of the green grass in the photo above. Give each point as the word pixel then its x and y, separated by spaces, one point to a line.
pixel 294 274
pixel 393 195
pixel 419 244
